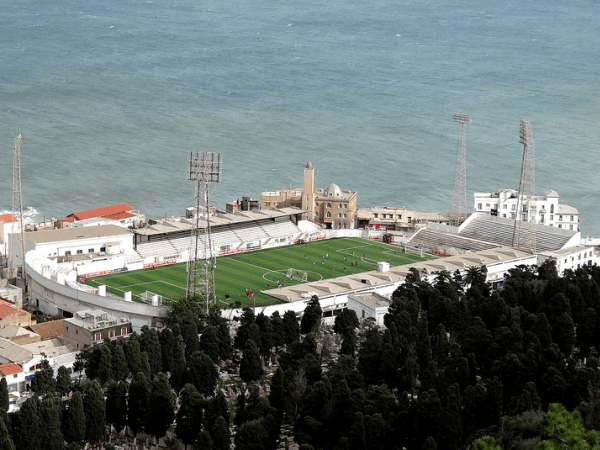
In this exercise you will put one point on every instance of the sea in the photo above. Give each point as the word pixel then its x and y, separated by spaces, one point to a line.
pixel 112 96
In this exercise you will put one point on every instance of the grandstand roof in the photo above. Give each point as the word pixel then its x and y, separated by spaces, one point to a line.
pixel 103 211
pixel 173 224
pixel 68 234
pixel 368 280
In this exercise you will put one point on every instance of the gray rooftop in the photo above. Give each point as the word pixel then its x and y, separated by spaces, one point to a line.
pixel 69 234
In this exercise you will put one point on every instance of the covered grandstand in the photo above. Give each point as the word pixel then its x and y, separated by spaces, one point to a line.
pixel 482 231
pixel 230 233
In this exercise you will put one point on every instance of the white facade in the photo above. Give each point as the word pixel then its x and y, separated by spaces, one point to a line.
pixel 369 305
pixel 540 209
pixel 571 258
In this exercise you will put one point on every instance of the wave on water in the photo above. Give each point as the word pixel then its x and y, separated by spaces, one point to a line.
pixel 30 215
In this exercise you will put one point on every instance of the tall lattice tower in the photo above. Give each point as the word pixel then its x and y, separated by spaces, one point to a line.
pixel 205 170
pixel 17 209
pixel 524 236
pixel 459 197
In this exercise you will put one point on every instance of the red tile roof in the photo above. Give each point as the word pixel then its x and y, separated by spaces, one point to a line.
pixel 119 215
pixel 101 212
pixel 8 218
pixel 9 369
pixel 6 309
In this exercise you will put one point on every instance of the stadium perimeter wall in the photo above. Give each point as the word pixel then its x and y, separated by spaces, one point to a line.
pixel 52 297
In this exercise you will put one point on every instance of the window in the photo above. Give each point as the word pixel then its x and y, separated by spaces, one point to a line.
pixel 97 337
pixel 111 333
pixel 571 219
pixel 345 216
pixel 376 215
pixel 340 206
pixel 551 217
pixel 328 215
pixel 551 209
pixel 269 204
pixel 487 205
pixel 68 253
pixel 503 215
pixel 102 249
pixel 559 225
pixel 79 252
pixel 504 206
pixel 339 216
pixel 479 206
pixel 570 227
pixel 560 217
pixel 329 205
pixel 90 250
pixel 123 331
pixel 513 207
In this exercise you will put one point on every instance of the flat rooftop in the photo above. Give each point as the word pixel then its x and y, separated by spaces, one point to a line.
pixel 69 234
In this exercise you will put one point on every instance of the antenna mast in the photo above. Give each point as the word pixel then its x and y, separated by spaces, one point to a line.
pixel 526 205
pixel 459 197
pixel 17 207
pixel 205 169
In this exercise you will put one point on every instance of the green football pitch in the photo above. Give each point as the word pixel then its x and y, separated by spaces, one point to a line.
pixel 261 270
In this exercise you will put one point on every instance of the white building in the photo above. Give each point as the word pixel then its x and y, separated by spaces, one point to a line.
pixel 570 258
pixel 369 305
pixel 539 209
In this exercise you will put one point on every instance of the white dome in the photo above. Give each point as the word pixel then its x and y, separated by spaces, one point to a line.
pixel 333 190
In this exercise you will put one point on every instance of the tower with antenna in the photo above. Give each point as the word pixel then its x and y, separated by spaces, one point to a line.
pixel 524 236
pixel 459 197
pixel 205 170
pixel 17 211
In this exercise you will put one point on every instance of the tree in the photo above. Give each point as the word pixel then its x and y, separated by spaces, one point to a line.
pixel 74 423
pixel 565 430
pixel 150 344
pixel 277 329
pixel 27 430
pixel 116 405
pixel 277 393
pixel 167 349
pixel 6 442
pixel 346 322
pixel 485 443
pixel 139 391
pixel 63 381
pixel 209 343
pixel 219 434
pixel 250 366
pixel 189 415
pixel 179 364
pixel 94 409
pixel 120 368
pixel 161 407
pixel 4 403
pixel 291 329
pixel 202 373
pixel 49 413
pixel 43 380
pixel 311 319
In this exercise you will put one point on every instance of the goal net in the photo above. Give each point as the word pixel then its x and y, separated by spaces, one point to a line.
pixel 298 275
pixel 149 296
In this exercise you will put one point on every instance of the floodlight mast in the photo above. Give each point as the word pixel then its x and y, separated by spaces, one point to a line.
pixel 205 169
pixel 526 207
pixel 459 197
pixel 17 207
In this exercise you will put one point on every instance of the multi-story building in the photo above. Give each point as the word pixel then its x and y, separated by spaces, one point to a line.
pixel 331 207
pixel 539 209
pixel 89 327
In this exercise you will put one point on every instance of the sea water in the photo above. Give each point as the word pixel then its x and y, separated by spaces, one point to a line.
pixel 112 96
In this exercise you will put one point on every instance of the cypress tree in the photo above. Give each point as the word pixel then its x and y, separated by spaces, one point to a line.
pixel 311 319
pixel 189 415
pixel 150 344
pixel 161 407
pixel 202 373
pixel 133 355
pixel 116 405
pixel 290 327
pixel 219 434
pixel 74 423
pixel 63 381
pixel 94 409
pixel 167 349
pixel 28 428
pixel 251 365
pixel 3 399
pixel 277 393
pixel 139 391
pixel 203 441
pixel 49 413
pixel 209 343
pixel 120 368
pixel 179 364
pixel 6 442
pixel 43 380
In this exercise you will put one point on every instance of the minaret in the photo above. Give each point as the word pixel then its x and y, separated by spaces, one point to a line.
pixel 308 197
